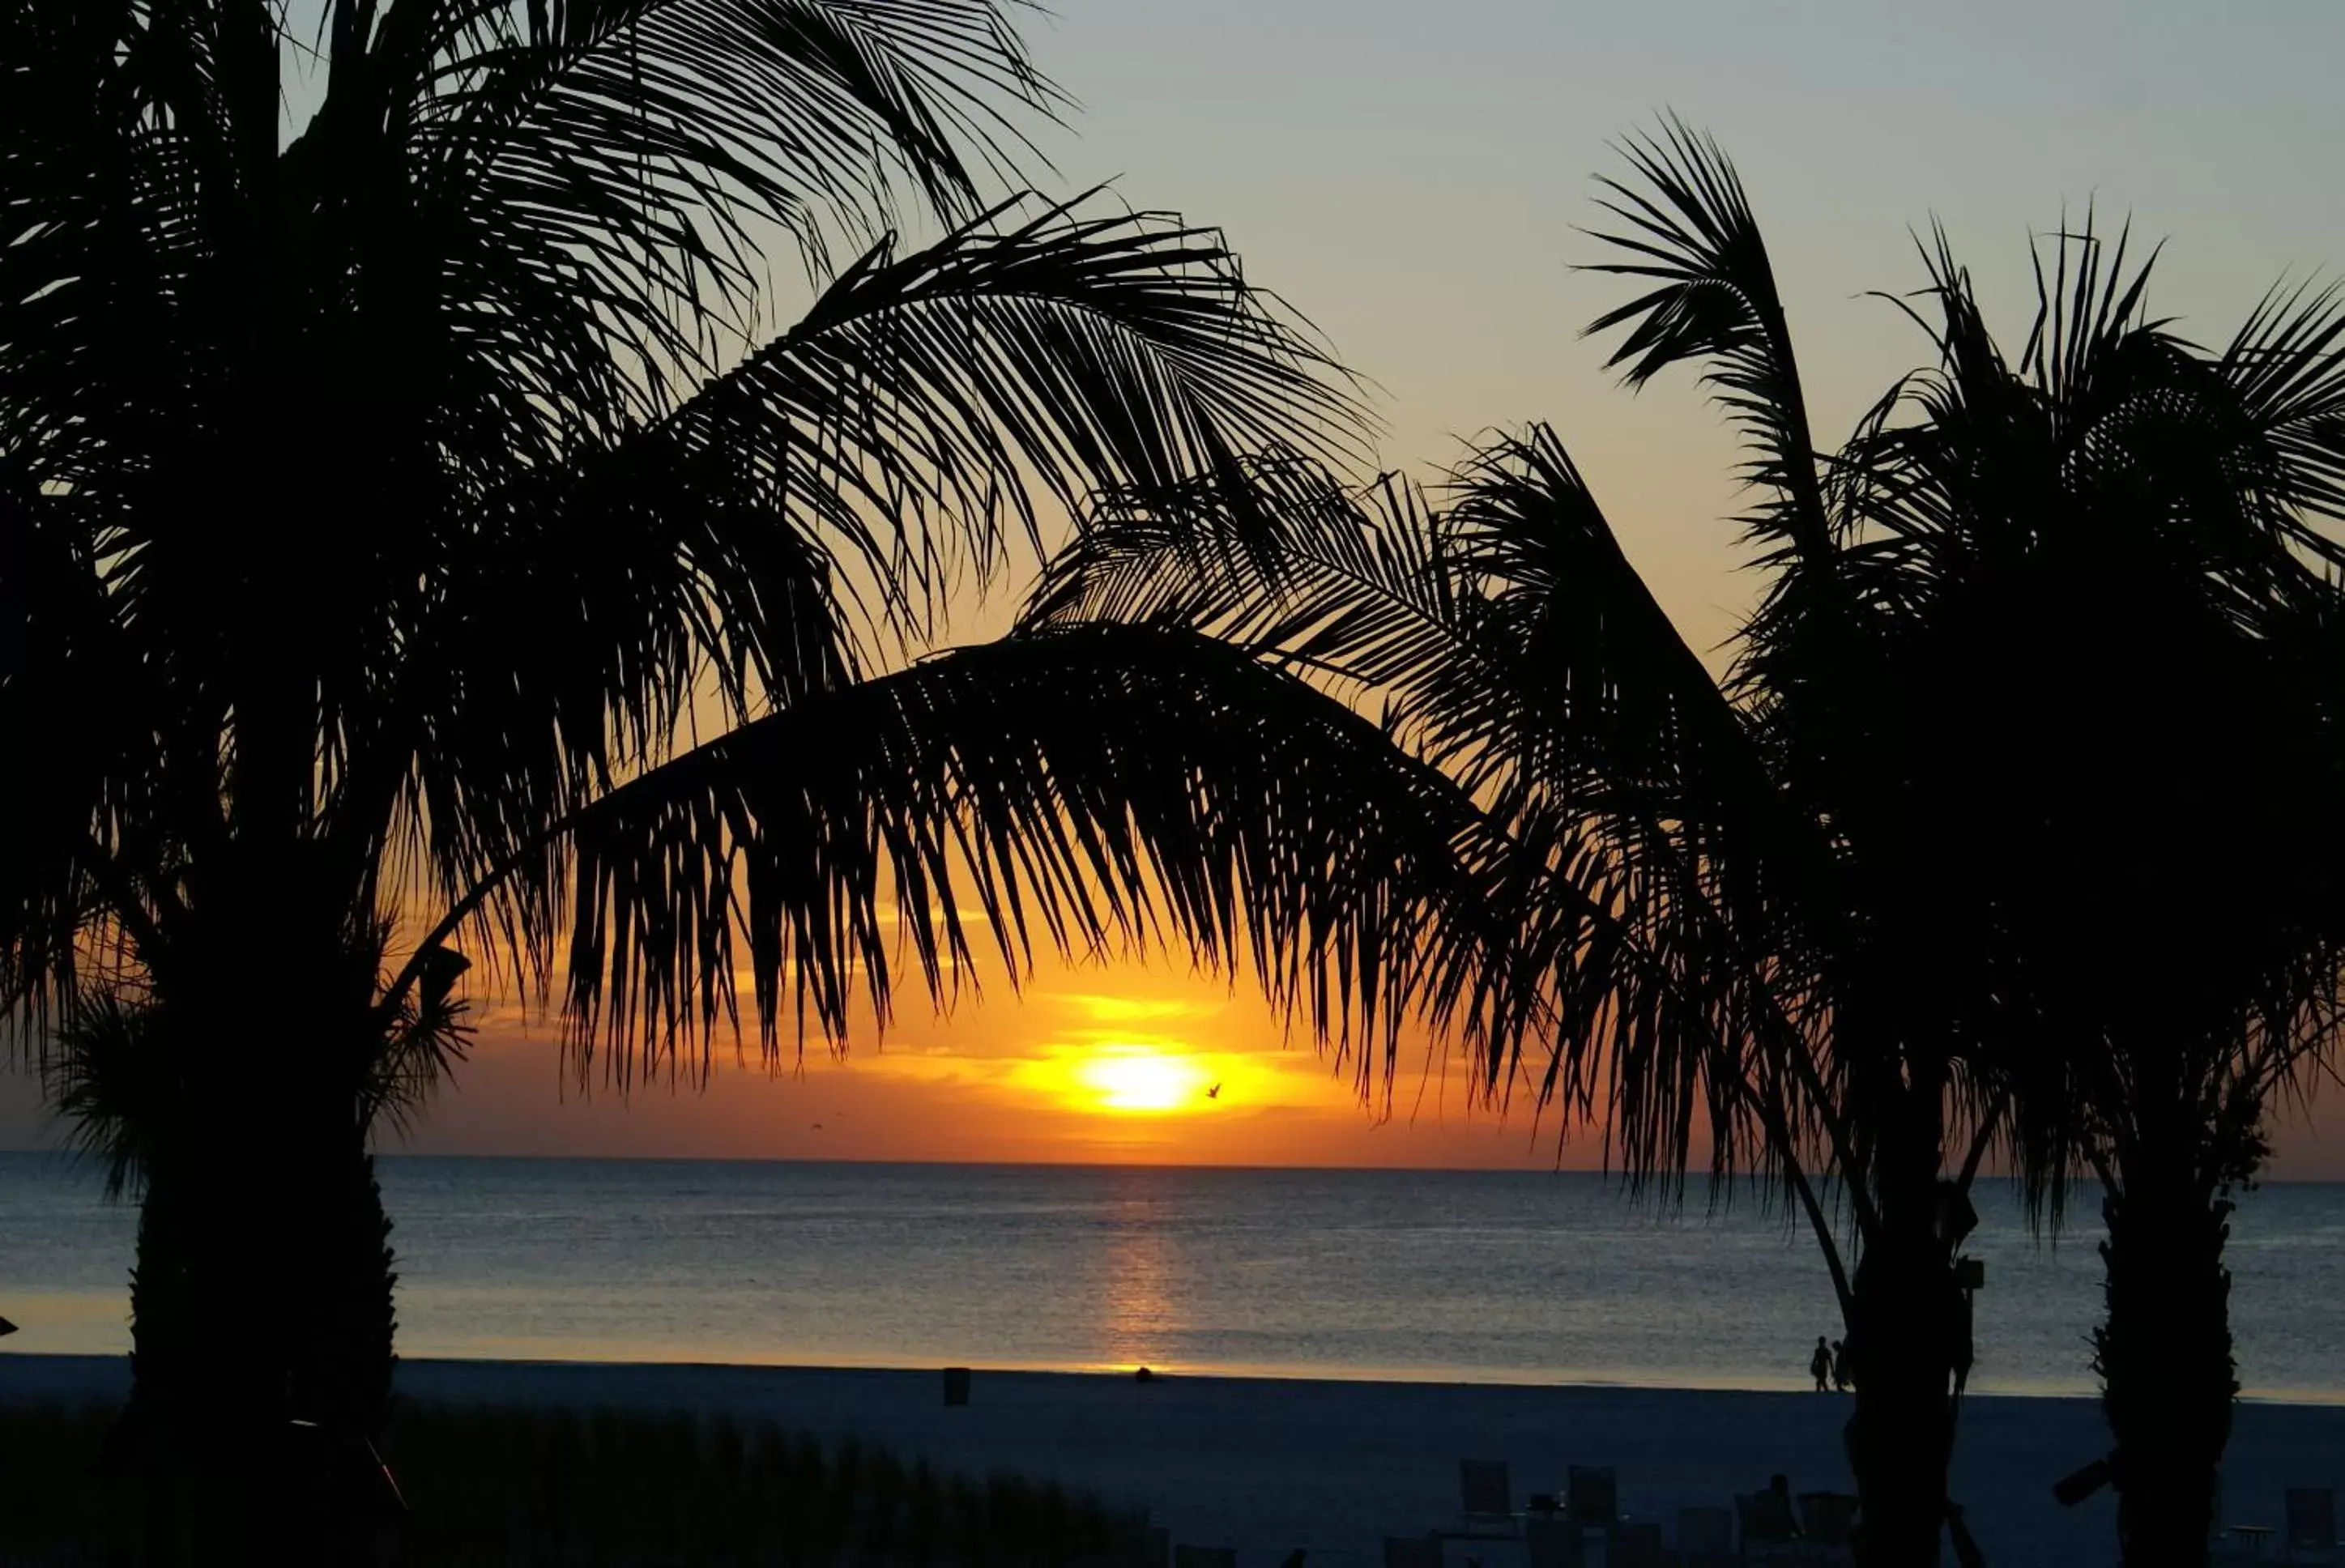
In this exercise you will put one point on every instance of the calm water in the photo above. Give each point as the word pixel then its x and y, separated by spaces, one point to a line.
pixel 1492 1277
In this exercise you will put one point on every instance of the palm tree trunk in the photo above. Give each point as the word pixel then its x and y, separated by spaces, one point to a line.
pixel 145 1449
pixel 1903 1317
pixel 2164 1354
pixel 263 1289
pixel 347 1382
pixel 160 1330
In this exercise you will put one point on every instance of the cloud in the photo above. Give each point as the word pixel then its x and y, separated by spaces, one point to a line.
pixel 1103 1008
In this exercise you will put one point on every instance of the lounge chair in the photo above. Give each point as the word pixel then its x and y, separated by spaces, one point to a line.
pixel 1205 1557
pixel 1635 1546
pixel 1706 1537
pixel 1554 1541
pixel 1770 1534
pixel 2311 1535
pixel 1828 1520
pixel 1487 1497
pixel 1591 1495
pixel 1413 1552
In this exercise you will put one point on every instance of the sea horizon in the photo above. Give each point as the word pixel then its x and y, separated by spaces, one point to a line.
pixel 1986 1176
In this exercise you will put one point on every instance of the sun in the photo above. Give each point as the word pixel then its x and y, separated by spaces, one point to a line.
pixel 1140 1081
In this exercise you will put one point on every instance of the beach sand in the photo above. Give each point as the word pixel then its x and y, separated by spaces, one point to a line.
pixel 1267 1466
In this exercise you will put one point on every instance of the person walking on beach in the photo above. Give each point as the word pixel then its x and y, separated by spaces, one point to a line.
pixel 1820 1365
pixel 1840 1365
pixel 1964 1345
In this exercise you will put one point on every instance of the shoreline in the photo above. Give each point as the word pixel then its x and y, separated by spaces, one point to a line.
pixel 1267 1464
pixel 1167 1373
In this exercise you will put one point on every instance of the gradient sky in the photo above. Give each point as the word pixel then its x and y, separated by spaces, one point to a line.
pixel 1411 176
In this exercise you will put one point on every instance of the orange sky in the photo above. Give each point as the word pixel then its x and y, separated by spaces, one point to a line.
pixel 1087 1064
pixel 1093 1064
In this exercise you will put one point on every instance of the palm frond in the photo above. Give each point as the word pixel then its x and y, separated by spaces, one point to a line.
pixel 926 411
pixel 2089 302
pixel 111 1077
pixel 1067 790
pixel 562 649
pixel 821 96
pixel 427 1038
pixel 1043 352
pixel 1513 647
pixel 1687 227
pixel 617 167
pixel 1351 587
pixel 2286 364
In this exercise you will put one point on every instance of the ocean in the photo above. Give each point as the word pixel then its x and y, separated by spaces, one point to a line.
pixel 1484 1277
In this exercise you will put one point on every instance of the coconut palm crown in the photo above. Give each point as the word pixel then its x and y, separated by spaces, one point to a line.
pixel 1889 893
pixel 414 518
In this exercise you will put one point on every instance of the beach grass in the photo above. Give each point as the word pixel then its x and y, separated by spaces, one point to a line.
pixel 514 1485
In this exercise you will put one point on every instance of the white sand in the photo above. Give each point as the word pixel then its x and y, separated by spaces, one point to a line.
pixel 1266 1466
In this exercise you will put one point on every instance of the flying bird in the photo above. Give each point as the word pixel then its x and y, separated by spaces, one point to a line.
pixel 1214 1093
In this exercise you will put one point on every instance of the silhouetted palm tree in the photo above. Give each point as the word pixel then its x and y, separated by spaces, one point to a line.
pixel 2116 542
pixel 1715 884
pixel 1692 943
pixel 120 1084
pixel 1821 915
pixel 394 495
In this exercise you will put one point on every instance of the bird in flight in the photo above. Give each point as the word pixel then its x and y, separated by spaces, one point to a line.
pixel 1214 1093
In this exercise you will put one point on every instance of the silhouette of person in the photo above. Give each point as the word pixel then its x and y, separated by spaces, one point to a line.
pixel 1779 1487
pixel 1964 1347
pixel 1819 1366
pixel 1967 1549
pixel 1840 1365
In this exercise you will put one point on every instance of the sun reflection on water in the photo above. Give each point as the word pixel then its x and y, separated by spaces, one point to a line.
pixel 1141 1321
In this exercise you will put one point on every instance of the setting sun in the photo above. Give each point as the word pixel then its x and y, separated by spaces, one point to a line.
pixel 1141 1082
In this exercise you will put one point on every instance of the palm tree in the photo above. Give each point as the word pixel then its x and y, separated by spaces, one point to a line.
pixel 2117 541
pixel 1825 910
pixel 394 500
pixel 1719 889
pixel 1685 921
pixel 115 1077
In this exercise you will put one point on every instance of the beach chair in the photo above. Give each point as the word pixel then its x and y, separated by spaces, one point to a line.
pixel 1770 1534
pixel 1487 1497
pixel 1828 1520
pixel 1635 1546
pixel 1553 1541
pixel 1205 1557
pixel 1591 1495
pixel 1413 1552
pixel 2311 1535
pixel 1706 1537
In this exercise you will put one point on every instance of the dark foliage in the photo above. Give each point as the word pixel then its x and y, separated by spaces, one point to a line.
pixel 487 1485
pixel 1981 836
pixel 416 531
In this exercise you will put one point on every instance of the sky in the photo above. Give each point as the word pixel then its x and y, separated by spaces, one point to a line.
pixel 1413 178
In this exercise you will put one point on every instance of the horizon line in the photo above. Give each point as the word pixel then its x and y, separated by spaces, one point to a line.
pixel 1691 1177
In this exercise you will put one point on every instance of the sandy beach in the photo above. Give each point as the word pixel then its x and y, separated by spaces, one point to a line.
pixel 1266 1466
